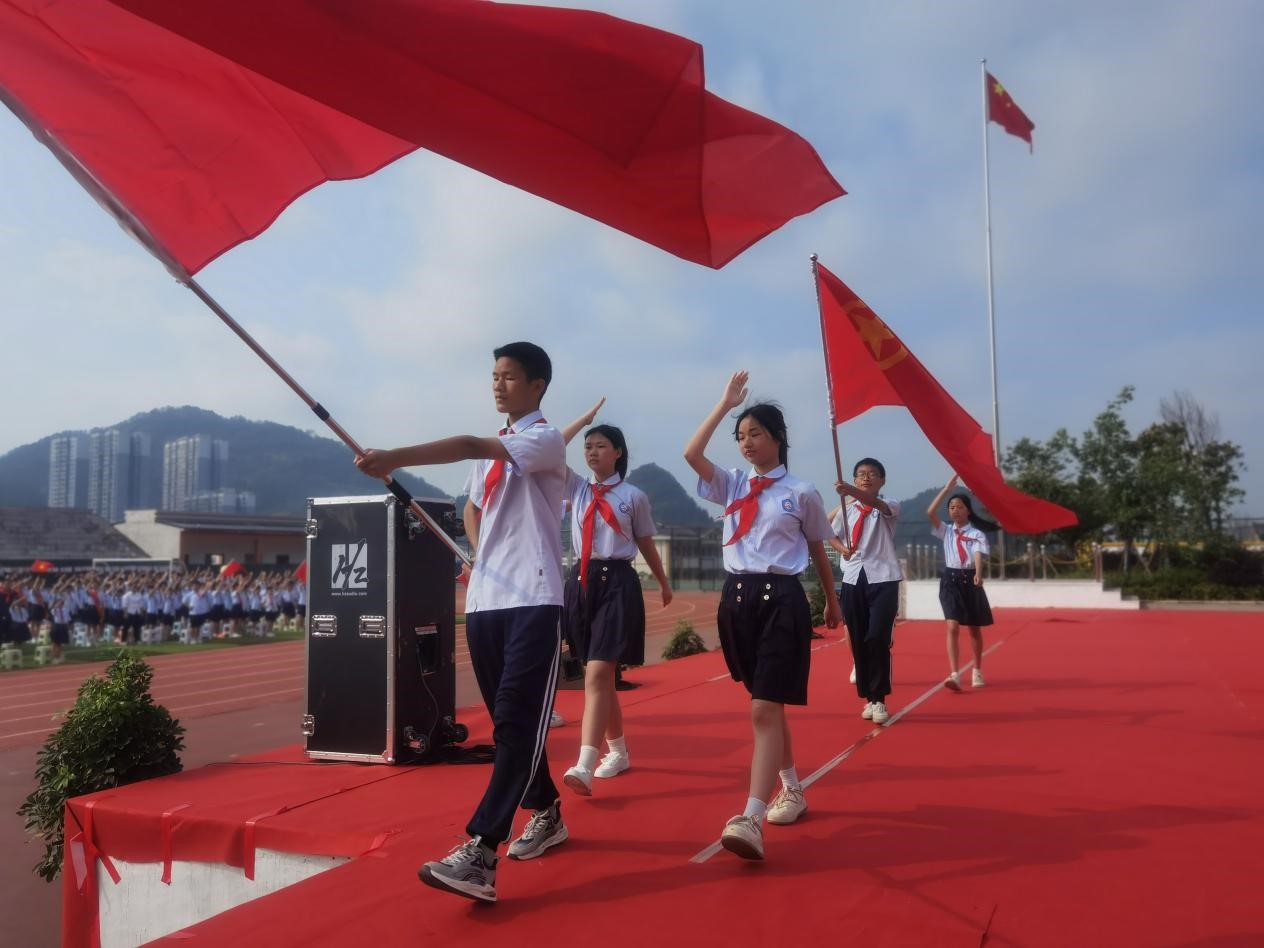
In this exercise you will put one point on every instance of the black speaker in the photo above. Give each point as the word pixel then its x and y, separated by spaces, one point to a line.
pixel 381 631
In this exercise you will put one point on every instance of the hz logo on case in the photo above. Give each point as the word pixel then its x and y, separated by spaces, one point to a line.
pixel 350 565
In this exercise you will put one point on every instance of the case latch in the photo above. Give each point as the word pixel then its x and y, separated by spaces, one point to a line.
pixel 372 627
pixel 324 627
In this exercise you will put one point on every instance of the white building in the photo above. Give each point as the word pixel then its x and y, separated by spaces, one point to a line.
pixel 191 466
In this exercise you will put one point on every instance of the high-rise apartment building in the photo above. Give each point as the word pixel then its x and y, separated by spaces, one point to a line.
pixel 191 466
pixel 68 471
pixel 118 473
pixel 107 479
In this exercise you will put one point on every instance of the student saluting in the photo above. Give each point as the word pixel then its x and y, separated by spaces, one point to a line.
pixel 961 592
pixel 774 527
pixel 603 612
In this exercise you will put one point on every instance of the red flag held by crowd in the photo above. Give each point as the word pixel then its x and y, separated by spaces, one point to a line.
pixel 206 118
pixel 868 365
pixel 1004 111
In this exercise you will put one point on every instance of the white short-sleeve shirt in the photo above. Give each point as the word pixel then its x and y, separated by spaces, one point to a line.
pixel 974 540
pixel 631 509
pixel 875 553
pixel 519 559
pixel 790 515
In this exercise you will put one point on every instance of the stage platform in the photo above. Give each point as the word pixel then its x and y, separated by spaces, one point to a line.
pixel 1103 789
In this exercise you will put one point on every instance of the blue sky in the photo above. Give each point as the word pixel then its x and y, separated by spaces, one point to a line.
pixel 1127 251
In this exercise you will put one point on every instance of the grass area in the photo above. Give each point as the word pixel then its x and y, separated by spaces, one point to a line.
pixel 105 653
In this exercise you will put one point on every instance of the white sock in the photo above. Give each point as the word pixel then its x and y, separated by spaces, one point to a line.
pixel 618 745
pixel 755 807
pixel 588 757
pixel 790 778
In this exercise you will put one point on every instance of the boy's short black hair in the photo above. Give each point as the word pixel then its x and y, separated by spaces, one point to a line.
pixel 534 360
pixel 870 462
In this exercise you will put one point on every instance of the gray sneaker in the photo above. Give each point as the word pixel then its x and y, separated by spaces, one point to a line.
pixel 544 830
pixel 466 871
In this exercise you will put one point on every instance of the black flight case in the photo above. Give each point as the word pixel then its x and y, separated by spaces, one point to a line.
pixel 381 631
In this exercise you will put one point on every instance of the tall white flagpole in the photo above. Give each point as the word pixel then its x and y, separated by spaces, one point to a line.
pixel 987 226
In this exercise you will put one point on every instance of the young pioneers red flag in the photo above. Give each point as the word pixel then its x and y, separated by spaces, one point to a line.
pixel 869 365
pixel 1004 111
pixel 206 118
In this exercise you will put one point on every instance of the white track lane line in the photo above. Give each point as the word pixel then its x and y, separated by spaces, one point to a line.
pixel 704 854
pixel 162 690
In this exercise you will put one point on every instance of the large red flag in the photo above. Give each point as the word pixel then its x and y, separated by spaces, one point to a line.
pixel 1004 111
pixel 205 118
pixel 868 365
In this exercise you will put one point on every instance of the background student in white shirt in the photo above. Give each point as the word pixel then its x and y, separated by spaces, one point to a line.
pixel 774 527
pixel 603 608
pixel 871 581
pixel 512 610
pixel 961 592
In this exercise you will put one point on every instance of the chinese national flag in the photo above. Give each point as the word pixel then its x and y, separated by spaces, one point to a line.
pixel 204 119
pixel 868 365
pixel 1005 112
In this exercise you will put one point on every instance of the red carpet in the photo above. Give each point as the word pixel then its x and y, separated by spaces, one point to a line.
pixel 1104 789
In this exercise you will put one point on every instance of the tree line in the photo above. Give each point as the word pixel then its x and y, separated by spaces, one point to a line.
pixel 1171 485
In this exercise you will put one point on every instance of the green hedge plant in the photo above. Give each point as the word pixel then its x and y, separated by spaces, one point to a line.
pixel 684 641
pixel 114 735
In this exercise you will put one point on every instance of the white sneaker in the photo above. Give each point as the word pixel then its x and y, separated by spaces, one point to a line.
pixel 976 680
pixel 880 715
pixel 953 682
pixel 787 806
pixel 852 676
pixel 612 765
pixel 743 836
pixel 556 720
pixel 867 713
pixel 579 779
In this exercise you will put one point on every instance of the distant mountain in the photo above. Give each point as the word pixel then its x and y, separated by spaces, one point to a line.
pixel 282 465
pixel 671 504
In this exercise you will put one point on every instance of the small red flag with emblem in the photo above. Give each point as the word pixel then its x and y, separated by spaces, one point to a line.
pixel 868 365
pixel 1004 111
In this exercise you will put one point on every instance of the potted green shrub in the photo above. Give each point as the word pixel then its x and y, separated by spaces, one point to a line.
pixel 114 735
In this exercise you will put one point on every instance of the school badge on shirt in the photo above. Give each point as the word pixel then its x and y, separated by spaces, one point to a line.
pixel 787 505
pixel 623 507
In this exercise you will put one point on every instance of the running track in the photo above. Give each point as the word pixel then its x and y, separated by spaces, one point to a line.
pixel 205 683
